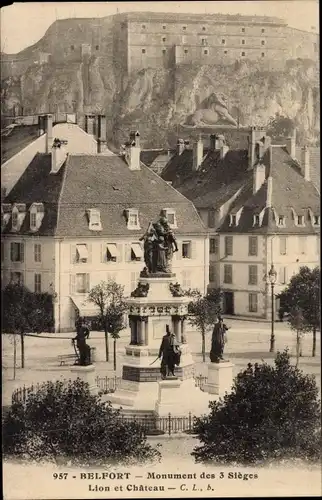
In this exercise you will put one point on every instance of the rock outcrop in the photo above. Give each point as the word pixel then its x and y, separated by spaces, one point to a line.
pixel 158 101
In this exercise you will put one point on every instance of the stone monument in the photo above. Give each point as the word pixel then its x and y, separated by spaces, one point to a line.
pixel 83 368
pixel 220 371
pixel 156 305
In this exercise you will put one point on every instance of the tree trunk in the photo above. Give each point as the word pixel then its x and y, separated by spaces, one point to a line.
pixel 314 342
pixel 114 354
pixel 203 345
pixel 297 347
pixel 22 340
pixel 14 356
pixel 106 346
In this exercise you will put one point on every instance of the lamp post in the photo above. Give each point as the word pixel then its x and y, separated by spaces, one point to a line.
pixel 272 276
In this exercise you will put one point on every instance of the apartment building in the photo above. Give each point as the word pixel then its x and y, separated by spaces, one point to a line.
pixel 261 208
pixel 73 220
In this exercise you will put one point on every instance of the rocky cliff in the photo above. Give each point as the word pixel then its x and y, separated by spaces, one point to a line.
pixel 158 101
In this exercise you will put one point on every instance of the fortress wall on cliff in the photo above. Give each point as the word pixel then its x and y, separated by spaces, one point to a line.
pixel 160 40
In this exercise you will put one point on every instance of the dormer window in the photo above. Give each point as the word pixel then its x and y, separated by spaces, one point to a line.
pixel 281 221
pixel 170 215
pixel 94 220
pixel 316 220
pixel 233 220
pixel 256 220
pixel 132 216
pixel 300 220
pixel 36 216
pixel 15 218
pixel 5 214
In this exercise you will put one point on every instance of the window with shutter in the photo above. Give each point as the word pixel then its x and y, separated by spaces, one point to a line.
pixel 228 273
pixel 228 245
pixel 128 252
pixel 37 252
pixel 252 245
pixel 283 243
pixel 82 282
pixel 253 302
pixel 282 275
pixel 302 245
pixel 72 284
pixel 17 278
pixel 186 250
pixel 17 252
pixel 252 275
pixel 214 245
pixel 37 283
pixel 212 273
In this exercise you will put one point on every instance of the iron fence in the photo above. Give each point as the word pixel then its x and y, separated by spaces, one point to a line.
pixel 170 424
pixel 105 385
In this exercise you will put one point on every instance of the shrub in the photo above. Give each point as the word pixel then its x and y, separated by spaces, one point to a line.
pixel 64 422
pixel 273 412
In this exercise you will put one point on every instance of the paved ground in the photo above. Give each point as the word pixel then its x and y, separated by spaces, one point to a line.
pixel 247 341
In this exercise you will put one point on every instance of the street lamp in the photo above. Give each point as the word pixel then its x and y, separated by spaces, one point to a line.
pixel 272 276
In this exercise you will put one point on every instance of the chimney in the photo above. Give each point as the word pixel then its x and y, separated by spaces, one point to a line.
pixel 217 141
pixel 49 131
pixel 59 154
pixel 197 154
pixel 214 141
pixel 90 124
pixel 41 125
pixel 269 192
pixel 224 148
pixel 305 162
pixel 259 173
pixel 291 144
pixel 251 147
pixel 101 139
pixel 180 146
pixel 133 151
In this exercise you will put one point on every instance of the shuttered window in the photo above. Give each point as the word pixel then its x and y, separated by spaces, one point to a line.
pixel 253 302
pixel 228 245
pixel 253 245
pixel 228 273
pixel 252 275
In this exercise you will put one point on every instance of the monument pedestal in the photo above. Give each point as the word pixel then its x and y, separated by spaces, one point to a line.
pixel 157 302
pixel 168 397
pixel 220 378
pixel 87 374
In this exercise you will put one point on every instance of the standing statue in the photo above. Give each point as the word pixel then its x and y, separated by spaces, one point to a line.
pixel 170 353
pixel 159 245
pixel 82 333
pixel 218 341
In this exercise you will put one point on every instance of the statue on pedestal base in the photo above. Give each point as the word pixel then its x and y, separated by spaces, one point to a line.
pixel 170 353
pixel 218 341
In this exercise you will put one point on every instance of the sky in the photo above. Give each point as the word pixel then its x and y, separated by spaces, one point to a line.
pixel 23 24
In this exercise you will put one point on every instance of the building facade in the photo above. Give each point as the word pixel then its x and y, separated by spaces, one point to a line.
pixel 261 208
pixel 163 40
pixel 74 220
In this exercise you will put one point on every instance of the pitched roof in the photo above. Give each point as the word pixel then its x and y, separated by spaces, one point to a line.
pixel 290 192
pixel 216 179
pixel 148 156
pixel 105 183
pixel 315 165
pixel 19 137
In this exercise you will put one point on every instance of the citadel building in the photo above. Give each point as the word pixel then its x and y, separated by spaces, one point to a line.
pixel 134 41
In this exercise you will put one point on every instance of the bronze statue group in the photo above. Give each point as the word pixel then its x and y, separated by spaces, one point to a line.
pixel 159 246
